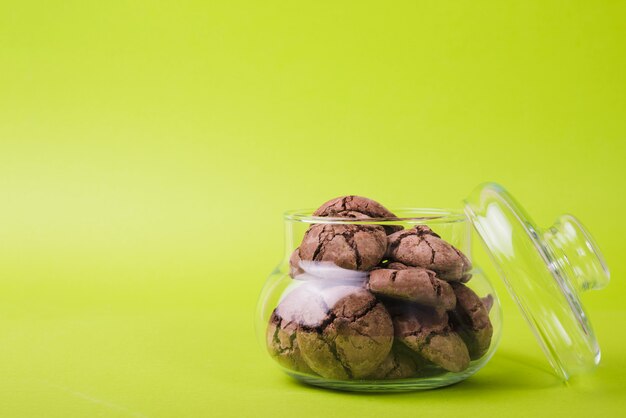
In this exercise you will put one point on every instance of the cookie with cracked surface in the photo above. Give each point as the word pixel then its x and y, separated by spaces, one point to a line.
pixel 471 320
pixel 352 340
pixel 427 332
pixel 421 247
pixel 415 284
pixel 283 346
pixel 302 306
pixel 358 207
pixel 354 247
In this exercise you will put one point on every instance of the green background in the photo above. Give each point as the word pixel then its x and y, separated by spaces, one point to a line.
pixel 148 150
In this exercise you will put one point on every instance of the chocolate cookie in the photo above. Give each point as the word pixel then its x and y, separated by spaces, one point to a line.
pixel 355 207
pixel 421 247
pixel 426 331
pixel 283 346
pixel 352 340
pixel 415 284
pixel 354 247
pixel 471 320
pixel 302 306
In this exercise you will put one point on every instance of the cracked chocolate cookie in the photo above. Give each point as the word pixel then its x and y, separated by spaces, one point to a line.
pixel 421 247
pixel 427 332
pixel 415 284
pixel 358 207
pixel 471 320
pixel 302 306
pixel 354 247
pixel 352 340
pixel 343 206
pixel 283 346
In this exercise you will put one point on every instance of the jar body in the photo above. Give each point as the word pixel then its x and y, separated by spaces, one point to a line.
pixel 383 327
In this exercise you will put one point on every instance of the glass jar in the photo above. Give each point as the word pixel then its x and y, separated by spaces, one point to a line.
pixel 352 326
pixel 367 354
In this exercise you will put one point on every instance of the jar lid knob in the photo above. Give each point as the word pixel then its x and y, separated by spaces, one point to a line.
pixel 573 249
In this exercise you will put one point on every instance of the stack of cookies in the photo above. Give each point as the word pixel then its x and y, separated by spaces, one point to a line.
pixel 410 315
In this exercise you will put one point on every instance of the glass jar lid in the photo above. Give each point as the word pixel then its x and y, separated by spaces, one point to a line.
pixel 544 271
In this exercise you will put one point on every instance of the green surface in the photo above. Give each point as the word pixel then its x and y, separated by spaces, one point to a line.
pixel 147 151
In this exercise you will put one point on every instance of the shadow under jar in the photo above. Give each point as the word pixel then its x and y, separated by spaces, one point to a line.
pixel 399 306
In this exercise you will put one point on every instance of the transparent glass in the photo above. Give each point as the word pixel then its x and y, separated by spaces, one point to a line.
pixel 545 270
pixel 327 315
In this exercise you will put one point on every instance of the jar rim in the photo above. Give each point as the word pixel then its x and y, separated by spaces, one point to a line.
pixel 404 214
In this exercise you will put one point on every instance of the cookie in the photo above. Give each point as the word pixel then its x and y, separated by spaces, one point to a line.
pixel 471 320
pixel 421 247
pixel 302 306
pixel 354 247
pixel 412 284
pixel 352 340
pixel 356 207
pixel 283 346
pixel 427 332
